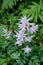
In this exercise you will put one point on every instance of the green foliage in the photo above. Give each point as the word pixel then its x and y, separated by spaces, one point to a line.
pixel 8 4
pixel 34 61
pixel 10 13
pixel 35 10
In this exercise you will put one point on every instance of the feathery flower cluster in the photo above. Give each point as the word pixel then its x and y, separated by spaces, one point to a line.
pixel 6 33
pixel 25 27
pixel 27 49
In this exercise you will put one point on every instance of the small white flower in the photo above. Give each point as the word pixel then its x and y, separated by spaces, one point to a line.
pixel 20 35
pixel 20 38
pixel 5 30
pixel 29 39
pixel 27 49
pixel 18 43
pixel 24 22
pixel 34 28
pixel 21 26
pixel 6 33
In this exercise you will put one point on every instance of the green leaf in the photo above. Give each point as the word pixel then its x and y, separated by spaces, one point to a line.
pixel 1 31
pixel 8 4
pixel 41 59
pixel 30 63
pixel 41 31
pixel 41 17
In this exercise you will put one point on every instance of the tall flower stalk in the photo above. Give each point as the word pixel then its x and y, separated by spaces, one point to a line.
pixel 25 27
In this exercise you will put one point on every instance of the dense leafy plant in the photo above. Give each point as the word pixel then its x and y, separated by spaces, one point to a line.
pixel 11 12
